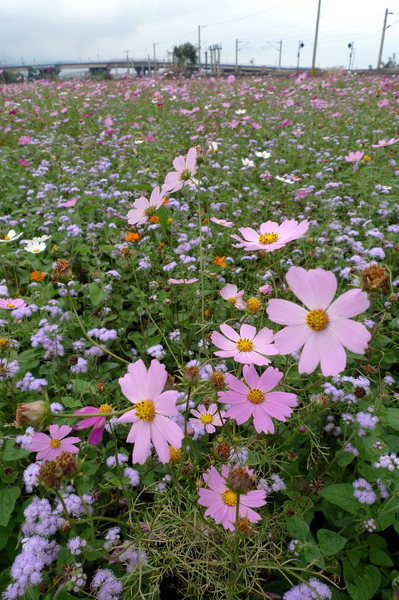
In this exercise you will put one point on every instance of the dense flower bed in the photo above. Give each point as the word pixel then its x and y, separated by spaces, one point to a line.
pixel 198 346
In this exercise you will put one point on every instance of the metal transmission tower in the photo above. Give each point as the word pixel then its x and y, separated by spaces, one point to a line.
pixel 215 50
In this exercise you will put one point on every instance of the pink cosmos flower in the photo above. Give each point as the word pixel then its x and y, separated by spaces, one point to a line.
pixel 108 122
pixel 181 281
pixel 232 295
pixel 23 162
pixel 248 347
pixel 151 412
pixel 383 143
pixel 10 304
pixel 144 209
pixel 98 423
pixel 354 156
pixel 266 289
pixel 324 328
pixel 272 236
pixel 49 447
pixel 69 203
pixel 222 222
pixel 186 168
pixel 207 417
pixel 254 398
pixel 24 139
pixel 221 502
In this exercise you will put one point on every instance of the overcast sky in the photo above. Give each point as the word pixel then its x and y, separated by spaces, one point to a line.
pixel 63 30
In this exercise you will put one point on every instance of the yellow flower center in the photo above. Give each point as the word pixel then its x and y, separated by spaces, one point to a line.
pixel 6 238
pixel 254 305
pixel 206 419
pixel 256 396
pixel 10 305
pixel 232 300
pixel 55 444
pixel 3 342
pixel 175 454
pixel 145 410
pixel 317 319
pixel 36 250
pixel 245 345
pixel 268 238
pixel 105 408
pixel 229 498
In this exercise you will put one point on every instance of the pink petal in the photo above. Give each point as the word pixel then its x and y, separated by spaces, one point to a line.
pixel 292 338
pixel 236 385
pixel 247 331
pixel 262 421
pixel 284 312
pixel 251 376
pixel 269 379
pixel 348 305
pixel 315 288
pixel 251 357
pixel 351 334
pixel 71 440
pixel 240 412
pixel 221 342
pixel 87 423
pixel 142 446
pixel 156 379
pixel 310 356
pixel 179 164
pixel 215 481
pixel 254 498
pixel 263 338
pixel 249 513
pixel 269 227
pixel 69 448
pixel 229 332
pixel 332 355
pixel 128 417
pixel 191 160
pixel 58 433
pixel 97 433
pixel 209 497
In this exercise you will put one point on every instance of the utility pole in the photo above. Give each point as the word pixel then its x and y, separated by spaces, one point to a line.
pixel 127 62
pixel 279 55
pixel 237 49
pixel 206 62
pixel 315 40
pixel 155 58
pixel 149 65
pixel 384 27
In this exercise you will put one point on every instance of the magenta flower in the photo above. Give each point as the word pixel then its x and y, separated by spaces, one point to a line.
pixel 181 281
pixel 151 412
pixel 248 347
pixel 49 447
pixel 324 328
pixel 254 398
pixel 10 304
pixel 186 168
pixel 272 236
pixel 207 417
pixel 98 423
pixel 383 143
pixel 144 209
pixel 221 502
pixel 230 293
pixel 354 156
pixel 24 139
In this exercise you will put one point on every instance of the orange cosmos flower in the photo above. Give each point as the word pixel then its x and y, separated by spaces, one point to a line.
pixel 219 260
pixel 37 276
pixel 132 237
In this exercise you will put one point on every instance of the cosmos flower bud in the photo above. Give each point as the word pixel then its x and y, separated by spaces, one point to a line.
pixel 191 374
pixel 240 480
pixel 375 277
pixel 67 464
pixel 50 474
pixel 222 450
pixel 62 271
pixel 31 412
pixel 218 379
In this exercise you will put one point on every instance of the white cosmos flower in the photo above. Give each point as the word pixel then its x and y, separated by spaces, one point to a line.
pixel 213 147
pixel 283 179
pixel 263 154
pixel 241 111
pixel 35 246
pixel 247 162
pixel 11 236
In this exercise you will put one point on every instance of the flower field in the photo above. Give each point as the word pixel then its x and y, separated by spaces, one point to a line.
pixel 198 339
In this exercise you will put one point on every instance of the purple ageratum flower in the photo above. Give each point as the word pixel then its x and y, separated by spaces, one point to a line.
pixel 304 592
pixel 364 491
pixel 325 328
pixel 98 423
pixel 248 347
pixel 254 398
pixel 49 447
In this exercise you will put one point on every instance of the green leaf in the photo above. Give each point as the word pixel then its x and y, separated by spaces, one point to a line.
pixel 392 418
pixel 7 503
pixel 354 557
pixel 330 543
pixel 341 494
pixel 368 581
pixel 380 558
pixel 313 555
pixel 297 528
pixel 12 453
pixel 96 294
